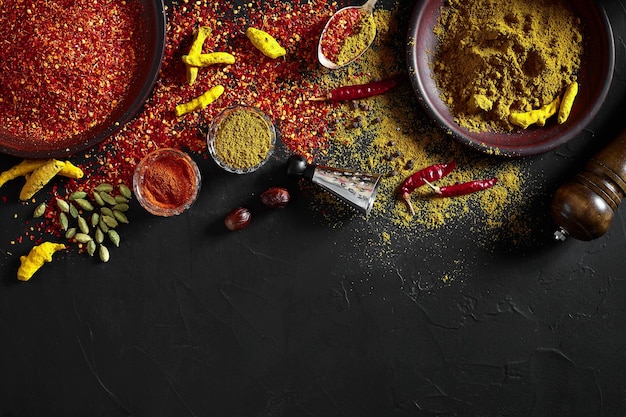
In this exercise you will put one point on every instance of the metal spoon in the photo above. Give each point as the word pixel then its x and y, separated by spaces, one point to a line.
pixel 367 8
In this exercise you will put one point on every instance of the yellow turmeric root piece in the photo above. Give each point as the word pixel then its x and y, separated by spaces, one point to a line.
pixel 27 166
pixel 538 116
pixel 200 102
pixel 196 49
pixel 204 60
pixel 567 102
pixel 38 255
pixel 265 43
pixel 70 170
pixel 23 168
pixel 40 177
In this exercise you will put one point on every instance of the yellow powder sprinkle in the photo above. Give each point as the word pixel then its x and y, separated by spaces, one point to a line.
pixel 387 134
pixel 391 135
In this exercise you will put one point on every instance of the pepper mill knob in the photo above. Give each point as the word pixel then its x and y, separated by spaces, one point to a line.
pixel 584 207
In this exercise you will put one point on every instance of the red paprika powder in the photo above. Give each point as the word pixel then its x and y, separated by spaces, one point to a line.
pixel 166 182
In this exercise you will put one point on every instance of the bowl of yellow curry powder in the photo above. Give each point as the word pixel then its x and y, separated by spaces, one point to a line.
pixel 511 77
pixel 241 139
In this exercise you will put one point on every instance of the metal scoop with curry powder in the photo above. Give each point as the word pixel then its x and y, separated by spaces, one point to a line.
pixel 347 35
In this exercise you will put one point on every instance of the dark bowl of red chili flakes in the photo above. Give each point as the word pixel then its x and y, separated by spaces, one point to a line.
pixel 75 71
pixel 479 79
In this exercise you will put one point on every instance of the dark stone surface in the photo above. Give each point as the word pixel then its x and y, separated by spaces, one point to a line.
pixel 292 317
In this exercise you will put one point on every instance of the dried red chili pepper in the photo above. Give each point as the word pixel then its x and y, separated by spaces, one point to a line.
pixel 359 91
pixel 464 188
pixel 421 177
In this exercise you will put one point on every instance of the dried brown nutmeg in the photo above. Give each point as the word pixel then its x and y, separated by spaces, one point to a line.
pixel 237 219
pixel 275 197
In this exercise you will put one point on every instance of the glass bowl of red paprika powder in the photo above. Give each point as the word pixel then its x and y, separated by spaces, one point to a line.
pixel 241 139
pixel 166 182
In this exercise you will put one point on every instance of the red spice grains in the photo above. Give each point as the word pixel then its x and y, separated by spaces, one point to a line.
pixel 64 64
pixel 279 88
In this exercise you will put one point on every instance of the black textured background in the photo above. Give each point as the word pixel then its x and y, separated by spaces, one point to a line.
pixel 293 317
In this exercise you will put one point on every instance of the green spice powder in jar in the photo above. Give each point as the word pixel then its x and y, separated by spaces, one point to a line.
pixel 242 139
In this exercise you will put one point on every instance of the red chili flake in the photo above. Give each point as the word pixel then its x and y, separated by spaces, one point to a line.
pixel 64 65
pixel 277 87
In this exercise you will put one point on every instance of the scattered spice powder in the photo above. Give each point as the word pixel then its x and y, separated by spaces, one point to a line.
pixel 385 134
pixel 389 135
pixel 64 65
pixel 276 87
pixel 496 57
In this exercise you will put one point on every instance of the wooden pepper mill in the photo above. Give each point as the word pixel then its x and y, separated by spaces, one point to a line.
pixel 584 207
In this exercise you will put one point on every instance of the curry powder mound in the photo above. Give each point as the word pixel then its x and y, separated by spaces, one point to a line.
pixel 496 57
pixel 243 139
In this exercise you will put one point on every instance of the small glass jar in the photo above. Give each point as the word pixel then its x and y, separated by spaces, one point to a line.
pixel 241 139
pixel 166 182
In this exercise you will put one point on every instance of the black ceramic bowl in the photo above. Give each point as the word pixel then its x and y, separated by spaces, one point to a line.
pixel 152 47
pixel 594 80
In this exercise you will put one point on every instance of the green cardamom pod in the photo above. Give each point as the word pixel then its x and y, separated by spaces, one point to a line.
pixel 63 220
pixel 82 237
pixel 63 205
pixel 125 191
pixel 102 225
pixel 84 204
pixel 40 210
pixel 77 194
pixel 110 221
pixel 73 211
pixel 120 199
pixel 121 207
pixel 120 217
pixel 114 237
pixel 108 198
pixel 95 219
pixel 82 225
pixel 71 232
pixel 107 188
pixel 99 235
pixel 106 211
pixel 91 247
pixel 99 201
pixel 104 253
